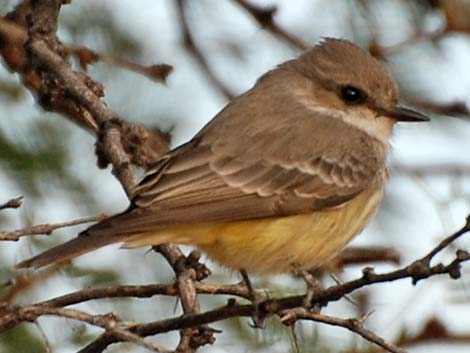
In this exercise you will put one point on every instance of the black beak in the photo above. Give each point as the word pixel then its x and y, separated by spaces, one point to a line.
pixel 406 115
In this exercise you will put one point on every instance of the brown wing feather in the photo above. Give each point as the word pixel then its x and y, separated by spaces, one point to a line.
pixel 215 187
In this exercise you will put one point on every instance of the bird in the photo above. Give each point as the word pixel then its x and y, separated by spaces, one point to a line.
pixel 282 179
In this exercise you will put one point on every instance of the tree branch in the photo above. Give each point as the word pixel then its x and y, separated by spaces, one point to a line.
pixel 416 271
pixel 110 322
pixel 353 325
pixel 48 228
pixel 197 53
pixel 187 270
pixel 265 18
pixel 13 203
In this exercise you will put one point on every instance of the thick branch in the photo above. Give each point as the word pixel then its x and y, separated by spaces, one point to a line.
pixel 61 69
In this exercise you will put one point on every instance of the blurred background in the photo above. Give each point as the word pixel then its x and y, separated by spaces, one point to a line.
pixel 218 49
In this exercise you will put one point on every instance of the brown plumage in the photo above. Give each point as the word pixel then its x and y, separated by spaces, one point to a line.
pixel 290 146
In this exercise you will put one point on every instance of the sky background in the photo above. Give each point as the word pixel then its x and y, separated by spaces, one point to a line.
pixel 417 211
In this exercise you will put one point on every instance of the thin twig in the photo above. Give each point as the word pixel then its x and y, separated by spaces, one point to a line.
pixel 417 38
pixel 110 322
pixel 457 108
pixel 24 281
pixel 445 242
pixel 48 228
pixel 16 33
pixel 86 56
pixel 13 203
pixel 353 325
pixel 197 53
pixel 47 344
pixel 264 16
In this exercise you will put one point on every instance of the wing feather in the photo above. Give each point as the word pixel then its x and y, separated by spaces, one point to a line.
pixel 271 172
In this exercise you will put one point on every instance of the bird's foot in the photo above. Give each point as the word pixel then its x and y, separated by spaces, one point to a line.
pixel 312 285
pixel 257 297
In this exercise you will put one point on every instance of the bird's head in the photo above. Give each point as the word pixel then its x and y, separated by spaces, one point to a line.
pixel 352 85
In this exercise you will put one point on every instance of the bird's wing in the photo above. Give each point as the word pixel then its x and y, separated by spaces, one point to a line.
pixel 273 173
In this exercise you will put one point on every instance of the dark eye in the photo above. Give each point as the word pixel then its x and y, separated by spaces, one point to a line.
pixel 353 95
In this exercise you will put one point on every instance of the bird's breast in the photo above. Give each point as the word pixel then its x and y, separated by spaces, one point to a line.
pixel 279 245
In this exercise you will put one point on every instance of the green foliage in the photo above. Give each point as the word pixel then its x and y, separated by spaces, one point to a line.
pixel 21 339
pixel 43 156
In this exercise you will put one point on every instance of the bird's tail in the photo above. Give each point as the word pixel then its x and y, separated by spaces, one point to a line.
pixel 89 240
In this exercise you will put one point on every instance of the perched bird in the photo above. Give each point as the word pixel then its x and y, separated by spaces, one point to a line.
pixel 281 179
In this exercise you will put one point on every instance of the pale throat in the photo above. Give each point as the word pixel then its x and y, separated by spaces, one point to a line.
pixel 362 118
pixel 367 120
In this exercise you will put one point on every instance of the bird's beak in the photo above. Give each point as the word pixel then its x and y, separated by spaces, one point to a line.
pixel 406 115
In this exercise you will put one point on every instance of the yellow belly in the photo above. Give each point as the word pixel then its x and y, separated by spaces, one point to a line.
pixel 274 245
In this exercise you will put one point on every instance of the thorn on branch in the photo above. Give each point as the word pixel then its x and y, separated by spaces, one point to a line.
pixel 367 272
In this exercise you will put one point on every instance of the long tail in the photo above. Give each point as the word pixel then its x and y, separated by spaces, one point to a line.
pixel 89 240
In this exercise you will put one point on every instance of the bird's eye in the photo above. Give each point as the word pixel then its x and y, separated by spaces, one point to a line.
pixel 353 95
